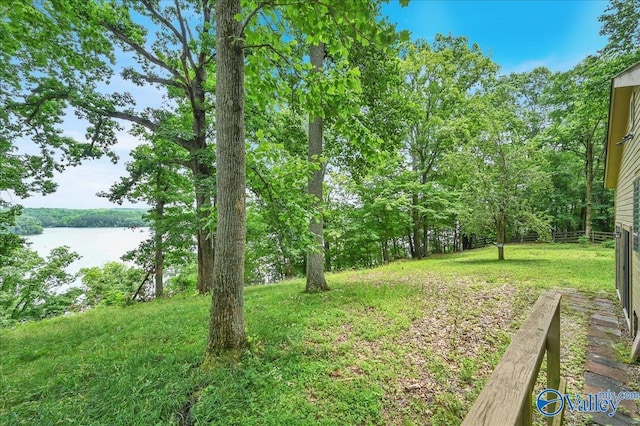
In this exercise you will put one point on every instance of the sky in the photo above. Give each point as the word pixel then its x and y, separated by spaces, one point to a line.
pixel 519 35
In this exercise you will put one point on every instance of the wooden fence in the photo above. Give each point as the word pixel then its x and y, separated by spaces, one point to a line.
pixel 506 397
pixel 567 237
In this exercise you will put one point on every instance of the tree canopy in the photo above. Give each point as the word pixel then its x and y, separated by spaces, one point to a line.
pixel 284 139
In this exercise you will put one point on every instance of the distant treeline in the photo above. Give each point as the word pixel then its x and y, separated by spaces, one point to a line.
pixel 32 221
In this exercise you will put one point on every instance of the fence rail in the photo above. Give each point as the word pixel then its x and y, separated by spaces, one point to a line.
pixel 474 241
pixel 506 397
pixel 567 237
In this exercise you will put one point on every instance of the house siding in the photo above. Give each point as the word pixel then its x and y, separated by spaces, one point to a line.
pixel 629 172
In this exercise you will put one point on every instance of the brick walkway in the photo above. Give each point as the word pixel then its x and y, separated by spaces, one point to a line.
pixel 603 372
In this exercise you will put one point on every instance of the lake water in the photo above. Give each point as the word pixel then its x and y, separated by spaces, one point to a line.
pixel 96 245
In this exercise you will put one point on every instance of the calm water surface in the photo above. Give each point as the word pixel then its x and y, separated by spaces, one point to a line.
pixel 96 245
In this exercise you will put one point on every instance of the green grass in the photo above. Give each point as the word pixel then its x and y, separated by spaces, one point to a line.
pixel 408 343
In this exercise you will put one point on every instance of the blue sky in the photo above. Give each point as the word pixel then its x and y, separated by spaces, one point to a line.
pixel 518 34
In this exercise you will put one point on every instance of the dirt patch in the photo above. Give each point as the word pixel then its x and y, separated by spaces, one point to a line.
pixel 453 346
pixel 447 354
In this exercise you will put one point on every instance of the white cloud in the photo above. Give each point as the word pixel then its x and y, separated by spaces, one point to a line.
pixel 77 187
pixel 531 64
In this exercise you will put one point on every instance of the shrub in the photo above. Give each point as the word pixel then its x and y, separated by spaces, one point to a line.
pixel 33 288
pixel 185 280
pixel 608 244
pixel 112 284
pixel 584 240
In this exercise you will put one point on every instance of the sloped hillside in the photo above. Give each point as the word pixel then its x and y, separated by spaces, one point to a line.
pixel 408 343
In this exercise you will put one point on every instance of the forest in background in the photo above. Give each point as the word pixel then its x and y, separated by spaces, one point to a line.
pixel 32 221
pixel 314 138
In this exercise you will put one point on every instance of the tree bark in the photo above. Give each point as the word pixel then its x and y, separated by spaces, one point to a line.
pixel 327 256
pixel 159 252
pixel 227 333
pixel 204 238
pixel 415 215
pixel 589 174
pixel 500 236
pixel 425 239
pixel 411 247
pixel 385 248
pixel 315 257
pixel 202 176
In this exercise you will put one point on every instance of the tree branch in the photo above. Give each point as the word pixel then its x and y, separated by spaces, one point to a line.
pixel 185 40
pixel 144 122
pixel 203 60
pixel 41 101
pixel 143 52
pixel 266 184
pixel 164 20
pixel 251 15
pixel 270 47
pixel 133 75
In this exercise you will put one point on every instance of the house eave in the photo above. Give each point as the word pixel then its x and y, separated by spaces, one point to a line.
pixel 621 88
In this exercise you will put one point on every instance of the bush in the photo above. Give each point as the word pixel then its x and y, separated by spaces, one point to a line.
pixel 608 244
pixel 112 284
pixel 33 288
pixel 584 240
pixel 186 280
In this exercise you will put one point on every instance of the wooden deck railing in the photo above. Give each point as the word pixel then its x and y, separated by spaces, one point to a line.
pixel 506 397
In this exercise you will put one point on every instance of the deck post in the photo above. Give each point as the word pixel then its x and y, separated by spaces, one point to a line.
pixel 506 396
pixel 553 354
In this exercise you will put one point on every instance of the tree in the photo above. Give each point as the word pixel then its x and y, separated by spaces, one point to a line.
pixel 441 79
pixel 156 178
pixel 278 205
pixel 365 168
pixel 32 70
pixel 236 32
pixel 579 102
pixel 110 284
pixel 621 23
pixel 315 257
pixel 226 328
pixel 499 172
pixel 73 49
pixel 32 288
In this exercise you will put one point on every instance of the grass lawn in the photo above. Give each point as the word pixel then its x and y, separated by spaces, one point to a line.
pixel 408 343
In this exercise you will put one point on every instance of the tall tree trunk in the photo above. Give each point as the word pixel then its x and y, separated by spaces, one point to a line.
pixel 327 256
pixel 204 238
pixel 415 215
pixel 395 248
pixel 227 329
pixel 159 252
pixel 425 238
pixel 500 236
pixel 589 174
pixel 411 247
pixel 202 177
pixel 315 257
pixel 385 250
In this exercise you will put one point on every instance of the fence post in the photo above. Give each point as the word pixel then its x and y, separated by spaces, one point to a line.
pixel 553 354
